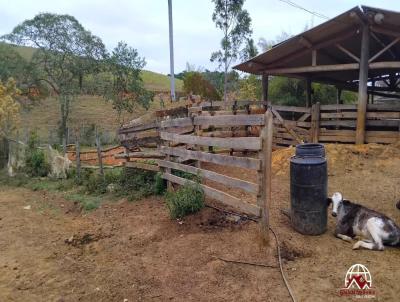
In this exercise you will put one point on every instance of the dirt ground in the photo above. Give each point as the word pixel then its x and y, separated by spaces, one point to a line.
pixel 134 251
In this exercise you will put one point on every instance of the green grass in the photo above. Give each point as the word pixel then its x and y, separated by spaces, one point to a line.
pixel 87 202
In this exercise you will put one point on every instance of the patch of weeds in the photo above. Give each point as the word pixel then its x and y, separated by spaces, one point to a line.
pixel 160 184
pixel 188 199
pixel 19 180
pixel 87 202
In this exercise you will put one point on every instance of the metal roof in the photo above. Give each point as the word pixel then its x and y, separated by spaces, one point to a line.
pixel 343 30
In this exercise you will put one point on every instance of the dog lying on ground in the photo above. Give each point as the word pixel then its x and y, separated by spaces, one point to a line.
pixel 375 229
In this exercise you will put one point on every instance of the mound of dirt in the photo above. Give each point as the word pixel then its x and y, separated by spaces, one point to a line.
pixel 343 157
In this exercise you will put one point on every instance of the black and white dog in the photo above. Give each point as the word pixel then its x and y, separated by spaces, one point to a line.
pixel 353 220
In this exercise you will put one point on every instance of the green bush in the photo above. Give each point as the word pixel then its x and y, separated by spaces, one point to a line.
pixel 160 184
pixel 188 199
pixel 35 160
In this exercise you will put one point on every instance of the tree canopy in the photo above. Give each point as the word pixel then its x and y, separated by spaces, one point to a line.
pixel 235 22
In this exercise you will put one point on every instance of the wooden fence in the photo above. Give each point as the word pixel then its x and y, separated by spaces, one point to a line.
pixel 320 123
pixel 183 150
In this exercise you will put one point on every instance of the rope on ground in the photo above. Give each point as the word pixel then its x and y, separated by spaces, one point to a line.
pixel 245 262
pixel 281 266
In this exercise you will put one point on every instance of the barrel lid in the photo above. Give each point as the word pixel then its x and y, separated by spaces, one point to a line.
pixel 310 150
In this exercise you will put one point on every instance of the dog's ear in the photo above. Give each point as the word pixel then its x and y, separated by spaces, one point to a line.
pixel 329 201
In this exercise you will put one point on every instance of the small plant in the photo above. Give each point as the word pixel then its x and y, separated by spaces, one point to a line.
pixel 87 202
pixel 35 160
pixel 188 199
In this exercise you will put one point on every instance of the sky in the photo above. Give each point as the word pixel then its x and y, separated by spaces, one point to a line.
pixel 143 24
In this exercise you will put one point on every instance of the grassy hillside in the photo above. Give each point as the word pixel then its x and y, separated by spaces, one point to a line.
pixel 152 80
pixel 85 110
pixel 88 110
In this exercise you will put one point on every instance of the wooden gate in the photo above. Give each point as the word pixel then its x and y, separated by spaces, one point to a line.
pixel 181 150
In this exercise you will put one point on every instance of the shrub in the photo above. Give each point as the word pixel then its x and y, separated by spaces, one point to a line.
pixel 35 160
pixel 160 184
pixel 188 199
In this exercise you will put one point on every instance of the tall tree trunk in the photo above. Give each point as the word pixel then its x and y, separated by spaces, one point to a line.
pixel 64 108
pixel 225 85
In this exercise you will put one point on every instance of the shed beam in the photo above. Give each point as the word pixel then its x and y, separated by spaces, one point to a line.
pixel 373 35
pixel 308 92
pixel 363 86
pixel 333 67
pixel 379 53
pixel 348 52
pixel 386 31
pixel 331 40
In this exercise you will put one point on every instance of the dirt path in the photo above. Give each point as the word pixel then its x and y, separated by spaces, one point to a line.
pixel 133 251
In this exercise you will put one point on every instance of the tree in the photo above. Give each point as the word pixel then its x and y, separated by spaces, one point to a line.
pixel 127 88
pixel 249 51
pixel 9 108
pixel 13 65
pixel 235 22
pixel 195 83
pixel 66 51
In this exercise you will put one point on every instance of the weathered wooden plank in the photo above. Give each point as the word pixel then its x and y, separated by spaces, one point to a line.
pixel 388 134
pixel 339 115
pixel 383 115
pixel 294 134
pixel 226 199
pixel 230 120
pixel 249 143
pixel 223 179
pixel 241 162
pixel 225 133
pixel 142 127
pixel 326 132
pixel 338 107
pixel 177 122
pixel 337 138
pixel 291 109
pixel 384 107
pixel 343 123
pixel 137 165
pixel 149 154
pixel 383 123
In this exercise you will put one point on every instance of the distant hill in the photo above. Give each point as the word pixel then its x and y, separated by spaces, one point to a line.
pixel 152 80
pixel 44 116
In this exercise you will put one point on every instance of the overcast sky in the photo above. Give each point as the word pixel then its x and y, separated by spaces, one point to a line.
pixel 144 23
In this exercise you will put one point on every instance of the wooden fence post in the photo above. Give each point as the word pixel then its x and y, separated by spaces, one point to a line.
pixel 99 156
pixel 78 155
pixel 315 122
pixel 264 175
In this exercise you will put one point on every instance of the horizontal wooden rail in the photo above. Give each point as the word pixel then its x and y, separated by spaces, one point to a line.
pixel 228 200
pixel 248 143
pixel 141 127
pixel 137 165
pixel 223 179
pixel 241 162
pixel 177 122
pixel 230 120
pixel 139 154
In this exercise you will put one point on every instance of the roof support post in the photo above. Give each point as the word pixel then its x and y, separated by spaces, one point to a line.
pixel 264 84
pixel 339 96
pixel 363 86
pixel 308 92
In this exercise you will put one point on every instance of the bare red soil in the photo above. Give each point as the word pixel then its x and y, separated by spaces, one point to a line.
pixel 134 251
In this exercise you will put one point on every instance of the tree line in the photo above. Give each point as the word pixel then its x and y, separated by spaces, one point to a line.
pixel 66 59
